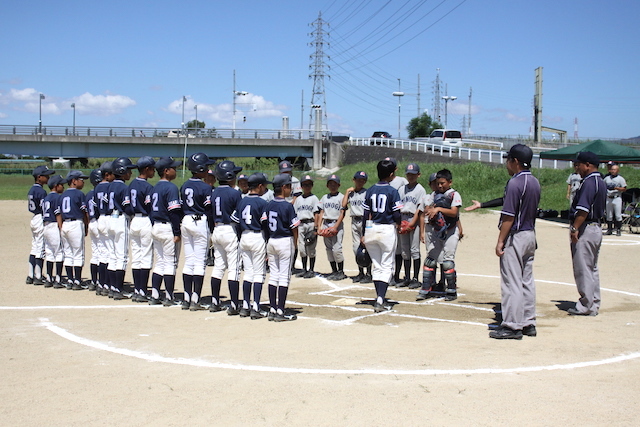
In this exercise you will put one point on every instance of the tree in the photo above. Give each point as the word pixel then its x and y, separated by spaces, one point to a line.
pixel 196 124
pixel 422 126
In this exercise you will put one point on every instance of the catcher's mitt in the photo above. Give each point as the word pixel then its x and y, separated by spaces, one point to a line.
pixel 405 227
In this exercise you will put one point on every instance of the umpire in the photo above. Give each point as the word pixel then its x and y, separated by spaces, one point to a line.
pixel 516 247
pixel 586 235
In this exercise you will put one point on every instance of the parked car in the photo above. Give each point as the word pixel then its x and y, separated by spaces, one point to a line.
pixel 380 136
pixel 446 137
pixel 177 133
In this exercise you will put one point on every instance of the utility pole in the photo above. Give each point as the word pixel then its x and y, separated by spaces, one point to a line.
pixel 469 121
pixel 537 108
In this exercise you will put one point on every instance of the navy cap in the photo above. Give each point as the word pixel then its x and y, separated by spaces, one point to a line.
pixel 412 168
pixel 211 172
pixel 306 178
pixel 145 162
pixel 167 162
pixel 76 174
pixel 334 177
pixel 433 177
pixel 281 179
pixel 42 170
pixel 285 166
pixel 587 157
pixel 392 160
pixel 56 180
pixel 107 167
pixel 361 174
pixel 242 176
pixel 520 152
pixel 258 178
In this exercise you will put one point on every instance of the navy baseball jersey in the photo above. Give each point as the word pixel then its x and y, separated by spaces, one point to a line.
pixel 72 204
pixel 119 197
pixel 224 200
pixel 381 202
pixel 521 198
pixel 591 197
pixel 35 197
pixel 51 207
pixel 165 205
pixel 281 218
pixel 140 193
pixel 91 204
pixel 101 198
pixel 249 212
pixel 196 197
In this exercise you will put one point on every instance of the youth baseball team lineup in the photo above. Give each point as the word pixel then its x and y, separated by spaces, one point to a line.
pixel 253 230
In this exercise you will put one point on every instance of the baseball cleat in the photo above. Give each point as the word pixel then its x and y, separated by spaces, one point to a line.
pixel 214 308
pixel 530 331
pixel 380 308
pixel 232 311
pixel 154 301
pixel 245 312
pixel 451 295
pixel 194 306
pixel 366 279
pixel 504 333
pixel 255 314
pixel 574 312
pixel 38 281
pixel 184 305
pixel 309 274
pixel 29 280
pixel 414 284
pixel 285 317
pixel 271 316
pixel 48 284
pixel 117 296
pixel 58 285
pixel 423 294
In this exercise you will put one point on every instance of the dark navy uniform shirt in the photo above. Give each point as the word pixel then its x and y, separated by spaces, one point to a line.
pixel 51 207
pixel 591 197
pixel 280 217
pixel 521 198
pixel 224 200
pixel 196 197
pixel 140 193
pixel 91 204
pixel 381 202
pixel 165 205
pixel 120 198
pixel 72 204
pixel 249 212
pixel 35 197
pixel 101 198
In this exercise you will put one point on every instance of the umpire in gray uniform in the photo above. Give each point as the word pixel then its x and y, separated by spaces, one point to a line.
pixel 586 235
pixel 516 247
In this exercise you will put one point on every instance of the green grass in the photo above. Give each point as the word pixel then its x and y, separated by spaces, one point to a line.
pixel 474 181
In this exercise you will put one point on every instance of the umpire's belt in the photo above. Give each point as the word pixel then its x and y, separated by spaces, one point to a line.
pixel 306 221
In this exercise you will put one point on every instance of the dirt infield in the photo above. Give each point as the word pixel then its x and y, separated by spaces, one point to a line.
pixel 72 358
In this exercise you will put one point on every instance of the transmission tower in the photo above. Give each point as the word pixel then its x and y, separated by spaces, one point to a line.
pixel 317 67
pixel 437 97
pixel 575 129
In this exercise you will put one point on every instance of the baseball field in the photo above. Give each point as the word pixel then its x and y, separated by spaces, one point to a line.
pixel 72 358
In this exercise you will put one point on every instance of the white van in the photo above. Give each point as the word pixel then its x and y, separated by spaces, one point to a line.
pixel 177 133
pixel 446 137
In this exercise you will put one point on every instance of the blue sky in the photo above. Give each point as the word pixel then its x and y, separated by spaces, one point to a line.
pixel 129 63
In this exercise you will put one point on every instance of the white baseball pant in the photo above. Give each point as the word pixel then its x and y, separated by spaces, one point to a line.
pixel 52 243
pixel 253 250
pixel 72 236
pixel 140 231
pixel 119 236
pixel 380 241
pixel 195 238
pixel 280 253
pixel 226 253
pixel 165 251
pixel 37 236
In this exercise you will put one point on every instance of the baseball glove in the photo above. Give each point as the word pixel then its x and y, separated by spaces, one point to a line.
pixel 328 232
pixel 405 227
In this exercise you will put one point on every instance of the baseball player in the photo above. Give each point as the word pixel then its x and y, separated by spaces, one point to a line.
pixel 105 246
pixel 616 185
pixel 95 177
pixel 306 207
pixel 585 233
pixel 354 197
pixel 330 215
pixel 447 202
pixel 242 184
pixel 397 182
pixel 52 243
pixel 74 225
pixel 286 166
pixel 381 216
pixel 35 197
pixel 166 215
pixel 121 213
pixel 573 182
pixel 282 222
pixel 210 179
pixel 140 229
pixel 224 200
pixel 516 247
pixel 253 247
pixel 196 206
pixel 412 197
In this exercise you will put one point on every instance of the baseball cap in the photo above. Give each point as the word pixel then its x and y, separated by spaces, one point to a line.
pixel 285 166
pixel 611 163
pixel 107 167
pixel 520 152
pixel 167 162
pixel 361 174
pixel 242 176
pixel 412 168
pixel 145 162
pixel 76 174
pixel 56 180
pixel 42 170
pixel 392 160
pixel 335 178
pixel 306 178
pixel 433 177
pixel 281 179
pixel 211 172
pixel 587 157
pixel 257 178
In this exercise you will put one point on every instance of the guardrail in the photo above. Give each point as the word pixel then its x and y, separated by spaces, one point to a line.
pixel 477 154
pixel 160 132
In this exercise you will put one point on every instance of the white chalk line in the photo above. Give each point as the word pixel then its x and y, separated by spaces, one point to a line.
pixel 199 363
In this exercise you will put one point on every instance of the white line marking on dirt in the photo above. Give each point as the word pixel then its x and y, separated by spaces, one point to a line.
pixel 63 333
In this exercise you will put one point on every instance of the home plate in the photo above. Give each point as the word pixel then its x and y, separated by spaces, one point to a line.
pixel 344 301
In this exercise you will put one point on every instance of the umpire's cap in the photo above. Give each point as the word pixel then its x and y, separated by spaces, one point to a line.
pixel 42 170
pixel 520 152
pixel 587 157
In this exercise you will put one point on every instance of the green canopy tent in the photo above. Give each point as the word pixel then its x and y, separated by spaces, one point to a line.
pixel 606 151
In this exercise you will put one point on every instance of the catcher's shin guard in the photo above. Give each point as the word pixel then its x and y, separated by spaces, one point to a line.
pixel 429 274
pixel 450 276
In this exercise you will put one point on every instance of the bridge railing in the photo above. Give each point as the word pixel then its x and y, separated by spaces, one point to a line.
pixel 158 132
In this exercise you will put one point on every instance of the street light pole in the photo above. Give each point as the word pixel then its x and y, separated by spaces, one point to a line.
pixel 74 117
pixel 184 157
pixel 399 94
pixel 235 93
pixel 447 98
pixel 40 119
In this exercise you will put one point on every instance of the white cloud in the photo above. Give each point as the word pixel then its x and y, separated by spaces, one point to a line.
pixel 101 105
pixel 3 115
